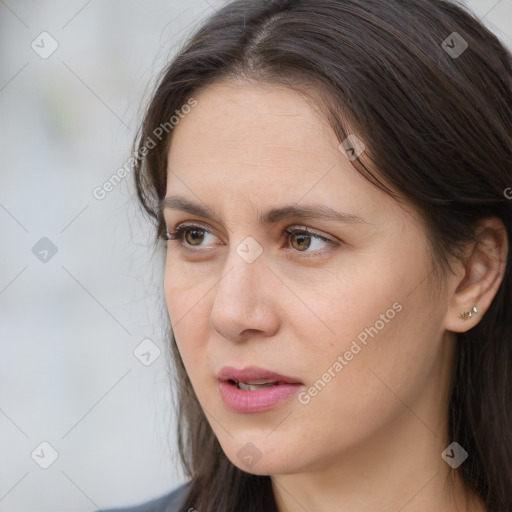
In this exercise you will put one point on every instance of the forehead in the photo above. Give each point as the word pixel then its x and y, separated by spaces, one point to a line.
pixel 242 119
pixel 264 144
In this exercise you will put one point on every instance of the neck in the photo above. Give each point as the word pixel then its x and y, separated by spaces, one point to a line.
pixel 403 469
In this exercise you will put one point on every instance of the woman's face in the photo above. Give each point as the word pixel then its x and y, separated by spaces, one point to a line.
pixel 344 310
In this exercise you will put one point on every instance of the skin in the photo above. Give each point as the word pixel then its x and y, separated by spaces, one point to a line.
pixel 372 439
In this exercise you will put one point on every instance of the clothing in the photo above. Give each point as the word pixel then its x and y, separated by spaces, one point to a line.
pixel 170 502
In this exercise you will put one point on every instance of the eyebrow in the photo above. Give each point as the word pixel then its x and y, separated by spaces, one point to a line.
pixel 271 216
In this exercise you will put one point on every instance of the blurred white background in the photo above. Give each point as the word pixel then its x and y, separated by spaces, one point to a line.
pixel 70 320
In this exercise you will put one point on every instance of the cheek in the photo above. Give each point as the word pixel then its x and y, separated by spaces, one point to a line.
pixel 375 338
pixel 373 380
pixel 346 308
pixel 188 306
pixel 186 287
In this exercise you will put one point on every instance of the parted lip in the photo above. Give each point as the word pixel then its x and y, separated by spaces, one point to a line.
pixel 251 373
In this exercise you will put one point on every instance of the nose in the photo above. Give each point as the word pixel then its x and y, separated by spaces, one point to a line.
pixel 245 300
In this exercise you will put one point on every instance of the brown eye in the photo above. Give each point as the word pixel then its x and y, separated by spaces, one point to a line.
pixel 303 241
pixel 189 236
pixel 194 236
pixel 300 240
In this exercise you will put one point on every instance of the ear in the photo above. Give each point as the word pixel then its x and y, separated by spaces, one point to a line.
pixel 479 276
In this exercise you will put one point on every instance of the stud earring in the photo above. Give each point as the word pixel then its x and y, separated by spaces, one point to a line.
pixel 468 314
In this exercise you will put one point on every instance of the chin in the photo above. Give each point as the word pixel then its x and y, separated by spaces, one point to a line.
pixel 260 456
pixel 269 467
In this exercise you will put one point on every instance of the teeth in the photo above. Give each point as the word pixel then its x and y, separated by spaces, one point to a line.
pixel 254 385
pixel 249 387
pixel 257 382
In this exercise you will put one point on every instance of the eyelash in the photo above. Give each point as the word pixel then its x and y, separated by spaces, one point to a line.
pixel 177 235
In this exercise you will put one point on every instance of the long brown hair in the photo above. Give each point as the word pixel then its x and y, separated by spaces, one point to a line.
pixel 435 111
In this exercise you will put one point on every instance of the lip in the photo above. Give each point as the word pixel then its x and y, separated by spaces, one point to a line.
pixel 244 401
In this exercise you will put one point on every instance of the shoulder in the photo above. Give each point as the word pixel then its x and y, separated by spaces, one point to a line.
pixel 169 502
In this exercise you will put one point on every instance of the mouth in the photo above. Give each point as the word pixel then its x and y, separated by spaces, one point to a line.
pixel 255 389
pixel 254 376
pixel 253 385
